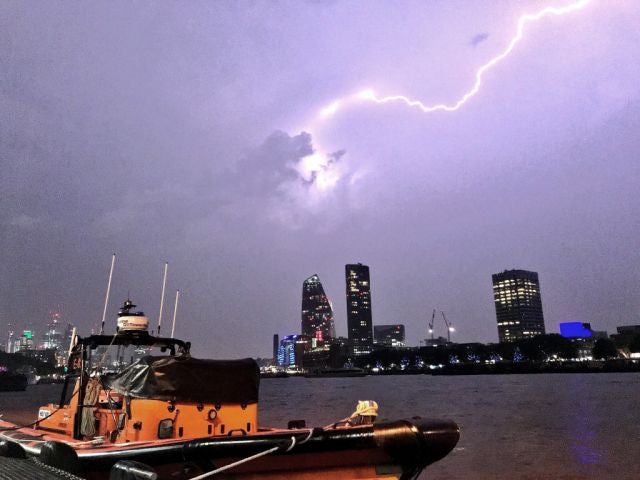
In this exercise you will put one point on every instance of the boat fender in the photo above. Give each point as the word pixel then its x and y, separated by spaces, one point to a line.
pixel 60 455
pixel 131 470
pixel 11 449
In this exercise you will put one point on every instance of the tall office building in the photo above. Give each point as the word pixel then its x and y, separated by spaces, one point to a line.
pixel 317 315
pixel 516 294
pixel 276 346
pixel 10 340
pixel 359 309
pixel 53 336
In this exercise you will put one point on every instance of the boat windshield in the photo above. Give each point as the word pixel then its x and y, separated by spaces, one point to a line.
pixel 114 358
pixel 110 354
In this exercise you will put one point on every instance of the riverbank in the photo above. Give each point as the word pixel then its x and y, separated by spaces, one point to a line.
pixel 498 368
pixel 610 366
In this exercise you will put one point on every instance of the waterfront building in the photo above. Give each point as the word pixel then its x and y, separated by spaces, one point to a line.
pixel 359 321
pixel 626 335
pixel 580 330
pixel 276 345
pixel 317 314
pixel 628 330
pixel 582 336
pixel 518 302
pixel 291 350
pixel 26 341
pixel 436 342
pixel 389 335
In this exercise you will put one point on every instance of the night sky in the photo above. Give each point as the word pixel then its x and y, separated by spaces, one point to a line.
pixel 189 133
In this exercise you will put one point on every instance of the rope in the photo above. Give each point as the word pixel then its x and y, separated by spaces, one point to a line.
pixel 308 437
pixel 18 427
pixel 366 412
pixel 88 425
pixel 111 405
pixel 88 421
pixel 293 443
pixel 366 408
pixel 239 462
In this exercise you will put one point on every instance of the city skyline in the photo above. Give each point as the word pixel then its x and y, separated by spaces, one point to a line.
pixel 191 134
pixel 313 293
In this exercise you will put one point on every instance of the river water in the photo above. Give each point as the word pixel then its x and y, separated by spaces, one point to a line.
pixel 544 426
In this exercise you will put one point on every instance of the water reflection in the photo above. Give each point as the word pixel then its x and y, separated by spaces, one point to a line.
pixel 581 421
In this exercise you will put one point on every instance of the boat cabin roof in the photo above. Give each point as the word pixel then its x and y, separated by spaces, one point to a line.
pixel 183 378
pixel 136 338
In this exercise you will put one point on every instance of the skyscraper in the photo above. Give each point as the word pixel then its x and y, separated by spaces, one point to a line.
pixel 276 346
pixel 10 340
pixel 516 294
pixel 359 309
pixel 53 336
pixel 317 315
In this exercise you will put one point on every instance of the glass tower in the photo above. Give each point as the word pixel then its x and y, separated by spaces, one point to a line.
pixel 359 309
pixel 317 315
pixel 516 294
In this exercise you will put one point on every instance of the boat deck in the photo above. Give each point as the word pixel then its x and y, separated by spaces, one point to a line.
pixel 30 469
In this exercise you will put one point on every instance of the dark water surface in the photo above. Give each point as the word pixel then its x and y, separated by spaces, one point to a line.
pixel 546 426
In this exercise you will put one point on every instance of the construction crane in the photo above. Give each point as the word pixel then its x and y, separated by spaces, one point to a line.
pixel 433 319
pixel 449 327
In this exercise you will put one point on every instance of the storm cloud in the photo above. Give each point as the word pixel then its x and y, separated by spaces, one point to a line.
pixel 173 132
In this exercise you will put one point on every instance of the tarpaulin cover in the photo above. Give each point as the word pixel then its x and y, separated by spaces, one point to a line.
pixel 183 378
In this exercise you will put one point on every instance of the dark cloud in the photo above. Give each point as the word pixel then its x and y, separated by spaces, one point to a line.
pixel 152 132
pixel 263 169
pixel 478 39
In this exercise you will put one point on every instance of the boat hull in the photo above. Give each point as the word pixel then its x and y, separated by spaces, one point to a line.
pixel 397 450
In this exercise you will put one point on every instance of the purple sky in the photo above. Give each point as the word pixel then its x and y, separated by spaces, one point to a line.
pixel 176 131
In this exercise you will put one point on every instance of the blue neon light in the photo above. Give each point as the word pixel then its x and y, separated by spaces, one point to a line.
pixel 575 330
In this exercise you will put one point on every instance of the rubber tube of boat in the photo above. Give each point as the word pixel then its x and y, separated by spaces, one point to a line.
pixel 131 470
pixel 11 449
pixel 60 455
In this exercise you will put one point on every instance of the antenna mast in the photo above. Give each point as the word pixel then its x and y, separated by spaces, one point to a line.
pixel 164 284
pixel 175 311
pixel 106 299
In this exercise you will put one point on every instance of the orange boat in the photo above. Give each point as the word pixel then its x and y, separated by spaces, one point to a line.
pixel 177 417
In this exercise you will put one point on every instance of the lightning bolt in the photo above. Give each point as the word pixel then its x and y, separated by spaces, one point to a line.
pixel 370 96
pixel 318 164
